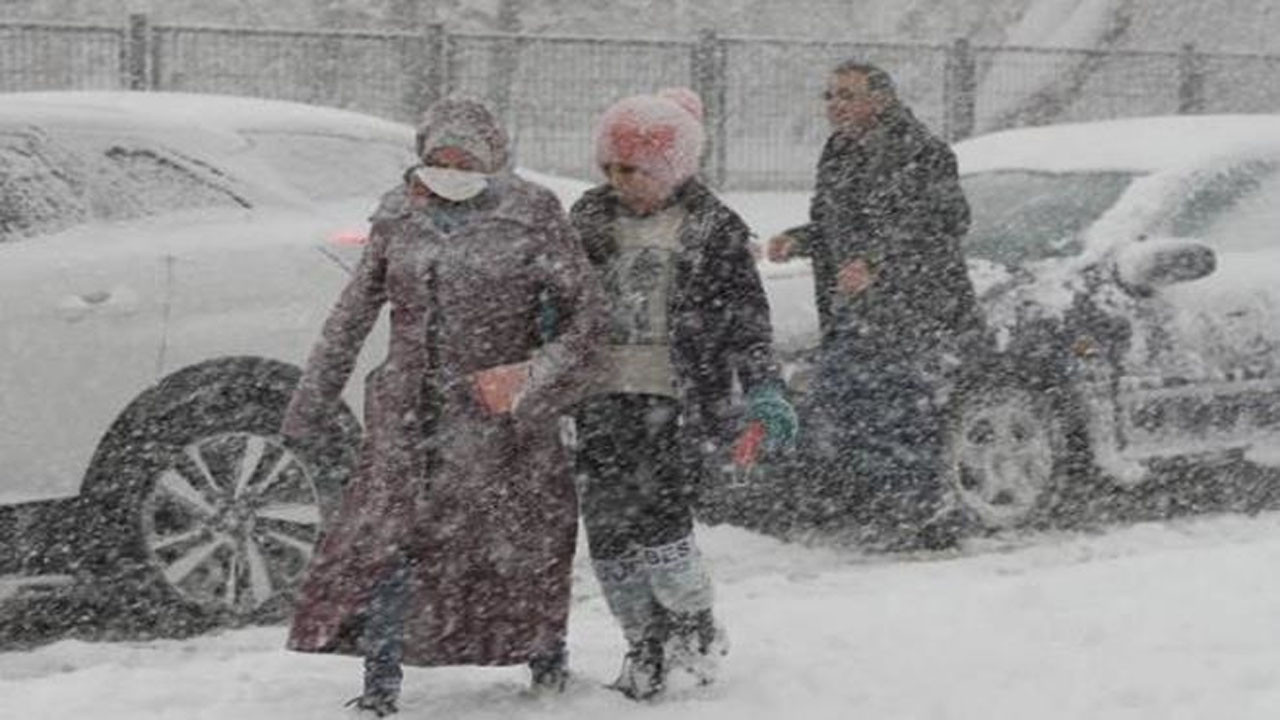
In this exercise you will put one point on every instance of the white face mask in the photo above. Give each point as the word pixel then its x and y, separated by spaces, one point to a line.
pixel 450 184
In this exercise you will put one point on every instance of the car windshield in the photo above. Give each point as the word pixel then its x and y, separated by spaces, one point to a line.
pixel 52 183
pixel 1235 208
pixel 333 167
pixel 1022 216
pixel 35 196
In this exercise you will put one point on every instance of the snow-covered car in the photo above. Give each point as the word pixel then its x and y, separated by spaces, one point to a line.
pixel 1128 274
pixel 166 262
pixel 1128 271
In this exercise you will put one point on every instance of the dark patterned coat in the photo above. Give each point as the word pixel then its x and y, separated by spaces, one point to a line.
pixel 482 506
pixel 891 197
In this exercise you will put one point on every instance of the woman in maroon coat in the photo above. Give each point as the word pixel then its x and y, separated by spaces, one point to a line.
pixel 455 538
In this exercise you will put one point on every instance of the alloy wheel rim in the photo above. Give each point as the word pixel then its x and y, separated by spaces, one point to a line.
pixel 1003 458
pixel 231 522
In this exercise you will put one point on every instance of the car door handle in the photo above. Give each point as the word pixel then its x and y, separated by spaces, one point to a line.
pixel 116 301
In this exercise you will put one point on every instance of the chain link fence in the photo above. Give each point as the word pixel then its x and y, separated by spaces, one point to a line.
pixel 548 91
pixel 1240 83
pixel 349 70
pixel 63 57
pixel 1029 86
pixel 765 119
pixel 774 116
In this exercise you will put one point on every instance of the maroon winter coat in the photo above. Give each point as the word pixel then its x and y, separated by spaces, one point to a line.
pixel 483 506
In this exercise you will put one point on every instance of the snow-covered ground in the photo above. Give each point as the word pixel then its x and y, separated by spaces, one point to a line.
pixel 1170 620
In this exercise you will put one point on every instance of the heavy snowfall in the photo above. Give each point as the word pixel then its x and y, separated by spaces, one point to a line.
pixel 1155 597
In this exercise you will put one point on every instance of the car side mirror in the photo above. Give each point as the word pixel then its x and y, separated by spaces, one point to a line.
pixel 1144 266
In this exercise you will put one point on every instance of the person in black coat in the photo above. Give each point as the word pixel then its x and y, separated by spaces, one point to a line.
pixel 688 314
pixel 896 311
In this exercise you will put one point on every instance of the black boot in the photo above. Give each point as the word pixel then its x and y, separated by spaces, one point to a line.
pixel 697 643
pixel 943 531
pixel 549 673
pixel 644 667
pixel 643 673
pixel 378 704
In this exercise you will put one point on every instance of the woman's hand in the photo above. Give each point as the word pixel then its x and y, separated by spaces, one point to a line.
pixel 499 389
pixel 854 277
pixel 781 248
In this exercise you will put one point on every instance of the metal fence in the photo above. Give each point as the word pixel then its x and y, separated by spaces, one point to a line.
pixel 349 70
pixel 548 90
pixel 774 121
pixel 45 57
pixel 764 115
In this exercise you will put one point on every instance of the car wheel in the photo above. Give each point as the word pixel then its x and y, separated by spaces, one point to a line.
pixel 1006 452
pixel 202 508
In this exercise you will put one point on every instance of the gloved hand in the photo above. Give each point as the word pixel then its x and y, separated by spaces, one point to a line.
pixel 769 418
pixel 746 449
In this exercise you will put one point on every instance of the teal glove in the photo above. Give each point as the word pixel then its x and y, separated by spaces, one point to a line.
pixel 767 405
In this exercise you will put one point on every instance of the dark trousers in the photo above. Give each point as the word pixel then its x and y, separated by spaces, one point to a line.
pixel 634 490
pixel 636 497
pixel 383 638
pixel 872 453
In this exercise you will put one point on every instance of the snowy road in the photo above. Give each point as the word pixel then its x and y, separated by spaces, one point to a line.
pixel 1165 620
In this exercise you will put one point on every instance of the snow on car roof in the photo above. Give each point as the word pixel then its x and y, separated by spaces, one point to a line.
pixel 217 113
pixel 277 152
pixel 1142 145
pixel 212 112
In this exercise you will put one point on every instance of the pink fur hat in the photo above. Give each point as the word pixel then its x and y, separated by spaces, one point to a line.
pixel 661 134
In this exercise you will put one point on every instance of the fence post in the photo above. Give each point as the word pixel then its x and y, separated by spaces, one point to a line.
pixel 423 62
pixel 137 53
pixel 960 91
pixel 1191 80
pixel 504 59
pixel 323 74
pixel 439 74
pixel 450 64
pixel 710 67
pixel 155 52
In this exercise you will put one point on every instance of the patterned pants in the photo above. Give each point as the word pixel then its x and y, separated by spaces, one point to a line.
pixel 636 507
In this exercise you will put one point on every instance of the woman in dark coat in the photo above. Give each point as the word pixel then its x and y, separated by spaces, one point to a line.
pixel 687 313
pixel 455 538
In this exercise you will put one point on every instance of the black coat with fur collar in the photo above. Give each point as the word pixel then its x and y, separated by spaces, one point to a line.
pixel 892 197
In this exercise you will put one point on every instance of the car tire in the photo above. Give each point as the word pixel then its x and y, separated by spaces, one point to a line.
pixel 198 512
pixel 1008 453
